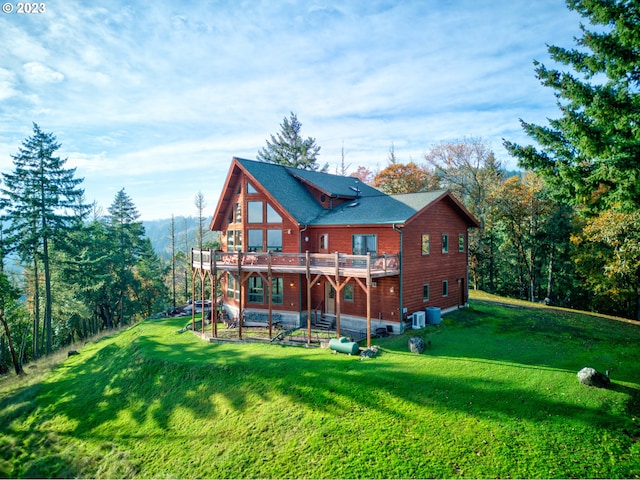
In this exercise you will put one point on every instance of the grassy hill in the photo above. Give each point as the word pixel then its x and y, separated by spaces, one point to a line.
pixel 496 395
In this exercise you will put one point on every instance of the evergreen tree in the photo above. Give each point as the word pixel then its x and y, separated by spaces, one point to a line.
pixel 128 233
pixel 42 204
pixel 288 148
pixel 590 154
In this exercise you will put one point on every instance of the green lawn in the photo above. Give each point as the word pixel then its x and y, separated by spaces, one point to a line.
pixel 495 396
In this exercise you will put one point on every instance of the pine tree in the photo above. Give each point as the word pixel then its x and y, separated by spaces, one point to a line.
pixel 128 233
pixel 42 203
pixel 590 154
pixel 290 149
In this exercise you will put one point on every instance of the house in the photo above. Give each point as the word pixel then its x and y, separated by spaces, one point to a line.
pixel 310 246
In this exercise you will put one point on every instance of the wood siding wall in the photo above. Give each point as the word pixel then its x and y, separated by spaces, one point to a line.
pixel 436 267
pixel 385 297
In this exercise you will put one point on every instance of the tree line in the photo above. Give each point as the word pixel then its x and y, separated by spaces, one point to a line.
pixel 566 230
pixel 81 271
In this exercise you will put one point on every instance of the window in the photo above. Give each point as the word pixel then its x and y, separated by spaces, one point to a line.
pixel 363 244
pixel 461 242
pixel 445 243
pixel 445 288
pixel 274 240
pixel 234 240
pixel 235 214
pixel 272 215
pixel 324 241
pixel 232 287
pixel 251 188
pixel 276 290
pixel 425 292
pixel 254 212
pixel 426 244
pixel 348 292
pixel 256 290
pixel 255 240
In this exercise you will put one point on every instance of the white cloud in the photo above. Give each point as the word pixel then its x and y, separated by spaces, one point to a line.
pixel 7 84
pixel 150 94
pixel 38 73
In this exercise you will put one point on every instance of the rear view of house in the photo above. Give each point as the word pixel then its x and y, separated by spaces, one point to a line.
pixel 309 247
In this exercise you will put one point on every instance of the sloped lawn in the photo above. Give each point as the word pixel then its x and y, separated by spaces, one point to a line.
pixel 496 395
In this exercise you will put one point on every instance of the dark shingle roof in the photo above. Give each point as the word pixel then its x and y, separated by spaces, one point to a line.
pixel 285 189
pixel 381 209
pixel 369 206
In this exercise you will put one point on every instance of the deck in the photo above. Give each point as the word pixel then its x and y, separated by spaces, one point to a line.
pixel 338 264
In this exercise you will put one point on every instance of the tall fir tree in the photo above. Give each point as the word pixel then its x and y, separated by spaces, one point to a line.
pixel 128 233
pixel 42 203
pixel 590 154
pixel 288 148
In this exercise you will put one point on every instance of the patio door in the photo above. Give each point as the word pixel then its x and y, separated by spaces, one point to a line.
pixel 329 298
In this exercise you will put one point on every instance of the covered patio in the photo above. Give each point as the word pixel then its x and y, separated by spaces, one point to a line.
pixel 338 269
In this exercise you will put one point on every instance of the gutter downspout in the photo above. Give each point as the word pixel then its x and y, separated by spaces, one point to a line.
pixel 401 282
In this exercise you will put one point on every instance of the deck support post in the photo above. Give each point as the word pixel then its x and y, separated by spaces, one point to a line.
pixel 309 284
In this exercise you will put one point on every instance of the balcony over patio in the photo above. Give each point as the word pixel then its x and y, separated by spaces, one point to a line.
pixel 338 264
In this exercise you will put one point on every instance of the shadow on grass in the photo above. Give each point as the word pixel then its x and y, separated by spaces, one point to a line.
pixel 144 380
pixel 152 376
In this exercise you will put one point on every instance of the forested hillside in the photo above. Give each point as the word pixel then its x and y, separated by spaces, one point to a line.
pixel 186 234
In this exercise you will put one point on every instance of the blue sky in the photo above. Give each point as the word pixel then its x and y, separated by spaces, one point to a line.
pixel 157 97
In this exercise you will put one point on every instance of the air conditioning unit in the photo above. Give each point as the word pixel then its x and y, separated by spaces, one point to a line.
pixel 418 320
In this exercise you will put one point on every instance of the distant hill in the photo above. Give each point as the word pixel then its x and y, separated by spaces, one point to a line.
pixel 186 229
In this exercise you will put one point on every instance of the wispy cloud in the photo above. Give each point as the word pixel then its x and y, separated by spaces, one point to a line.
pixel 147 95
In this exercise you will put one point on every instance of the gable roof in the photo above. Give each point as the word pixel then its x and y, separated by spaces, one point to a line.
pixel 365 205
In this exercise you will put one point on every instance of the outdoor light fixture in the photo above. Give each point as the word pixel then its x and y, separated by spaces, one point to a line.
pixel 292 284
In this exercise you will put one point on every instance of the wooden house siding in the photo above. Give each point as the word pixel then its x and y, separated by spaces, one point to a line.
pixel 385 301
pixel 435 267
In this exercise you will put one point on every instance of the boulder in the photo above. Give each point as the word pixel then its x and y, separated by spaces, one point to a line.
pixel 369 352
pixel 593 378
pixel 416 345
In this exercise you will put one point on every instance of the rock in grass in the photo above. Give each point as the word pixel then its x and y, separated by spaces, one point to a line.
pixel 416 345
pixel 369 352
pixel 593 378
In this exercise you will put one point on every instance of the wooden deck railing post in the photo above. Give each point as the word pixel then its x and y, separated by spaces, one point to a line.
pixel 270 287
pixel 368 299
pixel 308 260
pixel 337 299
pixel 240 295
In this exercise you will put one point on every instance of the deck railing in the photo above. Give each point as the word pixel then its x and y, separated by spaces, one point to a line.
pixel 336 263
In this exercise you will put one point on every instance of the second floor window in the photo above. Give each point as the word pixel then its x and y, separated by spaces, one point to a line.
pixel 324 241
pixel 445 243
pixel 234 240
pixel 274 240
pixel 235 214
pixel 254 212
pixel 255 240
pixel 272 215
pixel 363 244
pixel 426 244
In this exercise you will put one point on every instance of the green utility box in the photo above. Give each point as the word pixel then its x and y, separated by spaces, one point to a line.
pixel 344 345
